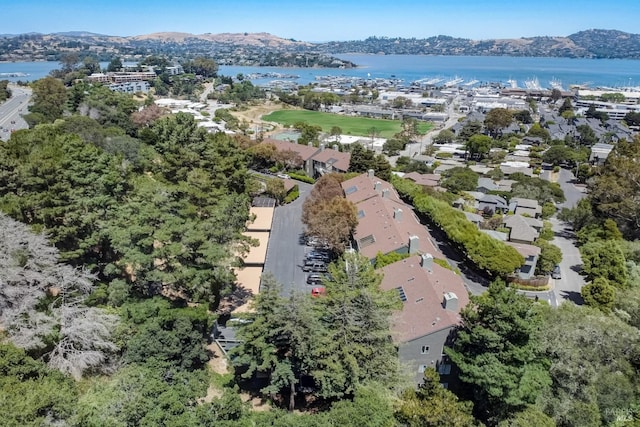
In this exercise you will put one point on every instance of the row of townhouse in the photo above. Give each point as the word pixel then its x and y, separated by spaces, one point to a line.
pixel 432 295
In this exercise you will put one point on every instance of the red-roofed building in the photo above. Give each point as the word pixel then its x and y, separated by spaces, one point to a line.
pixel 328 160
pixel 385 223
pixel 426 180
pixel 432 297
pixel 316 160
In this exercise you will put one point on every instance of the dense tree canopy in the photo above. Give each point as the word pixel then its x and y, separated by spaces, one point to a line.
pixel 497 119
pixel 49 98
pixel 497 351
pixel 328 215
pixel 340 340
pixel 593 366
pixel 614 191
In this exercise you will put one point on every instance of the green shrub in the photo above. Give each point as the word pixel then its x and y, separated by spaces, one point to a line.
pixel 445 264
pixel 487 253
pixel 444 155
pixel 302 178
pixel 293 194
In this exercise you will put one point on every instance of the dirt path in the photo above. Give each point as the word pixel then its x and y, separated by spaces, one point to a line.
pixel 253 115
pixel 220 365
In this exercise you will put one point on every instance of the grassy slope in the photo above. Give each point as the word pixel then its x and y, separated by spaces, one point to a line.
pixel 349 125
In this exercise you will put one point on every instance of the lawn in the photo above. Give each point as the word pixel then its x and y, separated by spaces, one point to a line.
pixel 350 125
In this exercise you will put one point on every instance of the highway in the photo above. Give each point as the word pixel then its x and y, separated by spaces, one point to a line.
pixel 11 111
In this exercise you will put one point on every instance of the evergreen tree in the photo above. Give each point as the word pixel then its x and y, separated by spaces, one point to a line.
pixel 356 315
pixel 497 351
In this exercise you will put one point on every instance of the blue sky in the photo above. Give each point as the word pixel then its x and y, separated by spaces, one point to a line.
pixel 323 20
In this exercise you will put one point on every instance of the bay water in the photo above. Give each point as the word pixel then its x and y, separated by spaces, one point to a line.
pixel 519 71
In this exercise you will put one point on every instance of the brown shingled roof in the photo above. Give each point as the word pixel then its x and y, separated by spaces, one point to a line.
pixel 339 160
pixel 425 179
pixel 423 312
pixel 305 151
pixel 385 223
pixel 363 187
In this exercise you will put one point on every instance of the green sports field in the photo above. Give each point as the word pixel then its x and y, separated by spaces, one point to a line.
pixel 350 125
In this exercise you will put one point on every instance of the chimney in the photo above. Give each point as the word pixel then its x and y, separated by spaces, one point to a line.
pixel 385 193
pixel 450 301
pixel 335 147
pixel 321 147
pixel 426 261
pixel 310 144
pixel 370 173
pixel 414 244
pixel 377 185
pixel 397 214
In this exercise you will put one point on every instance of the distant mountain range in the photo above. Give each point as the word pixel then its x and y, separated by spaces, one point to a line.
pixel 584 44
pixel 267 49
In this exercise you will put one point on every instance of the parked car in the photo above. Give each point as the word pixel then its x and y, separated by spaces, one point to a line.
pixel 555 274
pixel 314 279
pixel 283 176
pixel 316 292
pixel 317 256
pixel 316 267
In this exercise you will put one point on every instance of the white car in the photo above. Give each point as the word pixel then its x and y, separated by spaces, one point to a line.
pixel 283 176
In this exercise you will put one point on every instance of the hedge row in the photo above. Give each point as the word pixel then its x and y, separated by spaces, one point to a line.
pixel 293 194
pixel 302 178
pixel 487 253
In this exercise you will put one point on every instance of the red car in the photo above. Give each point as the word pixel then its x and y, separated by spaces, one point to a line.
pixel 316 292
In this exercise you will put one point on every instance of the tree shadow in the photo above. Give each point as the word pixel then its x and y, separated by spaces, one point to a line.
pixel 572 296
pixel 577 268
pixel 238 297
pixel 565 233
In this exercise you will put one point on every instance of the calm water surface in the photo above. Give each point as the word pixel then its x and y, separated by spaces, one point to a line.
pixel 485 69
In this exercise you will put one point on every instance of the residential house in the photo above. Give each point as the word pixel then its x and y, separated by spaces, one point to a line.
pixel 599 153
pixel 425 180
pixel 530 254
pixel 527 207
pixel 474 218
pixel 432 297
pixel 305 152
pixel 532 140
pixel 505 184
pixel 486 185
pixel 315 160
pixel 510 170
pixel 328 160
pixel 130 87
pixel 522 229
pixel 492 204
pixel 385 223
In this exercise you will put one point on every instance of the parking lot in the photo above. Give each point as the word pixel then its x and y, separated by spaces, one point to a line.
pixel 287 248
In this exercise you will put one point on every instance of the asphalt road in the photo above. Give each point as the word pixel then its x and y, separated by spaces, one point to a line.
pixel 426 140
pixel 11 111
pixel 573 192
pixel 569 286
pixel 285 253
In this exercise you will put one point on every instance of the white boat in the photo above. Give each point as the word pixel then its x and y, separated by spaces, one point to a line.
pixel 513 84
pixel 555 84
pixel 533 84
pixel 456 81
